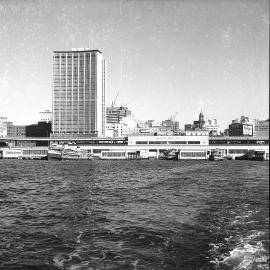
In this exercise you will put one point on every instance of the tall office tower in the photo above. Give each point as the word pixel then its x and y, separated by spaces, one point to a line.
pixel 78 107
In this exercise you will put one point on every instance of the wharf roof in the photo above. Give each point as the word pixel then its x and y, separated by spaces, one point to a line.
pixel 77 51
pixel 240 138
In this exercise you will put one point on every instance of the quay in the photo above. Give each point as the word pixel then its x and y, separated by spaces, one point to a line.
pixel 189 147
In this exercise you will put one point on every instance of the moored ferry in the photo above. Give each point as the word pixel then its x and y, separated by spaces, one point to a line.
pixel 124 155
pixel 54 154
pixel 169 155
pixel 66 152
pixel 258 155
pixel 216 155
pixel 76 154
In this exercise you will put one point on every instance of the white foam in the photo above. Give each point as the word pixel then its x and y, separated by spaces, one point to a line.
pixel 58 261
pixel 243 257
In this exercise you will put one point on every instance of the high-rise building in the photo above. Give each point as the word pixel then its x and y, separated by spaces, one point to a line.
pixel 116 114
pixel 78 102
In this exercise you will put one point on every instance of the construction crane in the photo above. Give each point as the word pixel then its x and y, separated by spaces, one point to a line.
pixel 125 104
pixel 113 103
pixel 172 117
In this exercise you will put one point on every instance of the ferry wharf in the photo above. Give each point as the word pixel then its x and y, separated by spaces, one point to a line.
pixel 189 147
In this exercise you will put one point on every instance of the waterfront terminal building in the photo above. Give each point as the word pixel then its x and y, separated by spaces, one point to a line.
pixel 78 95
pixel 189 147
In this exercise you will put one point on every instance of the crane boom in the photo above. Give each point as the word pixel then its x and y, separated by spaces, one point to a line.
pixel 173 116
pixel 113 103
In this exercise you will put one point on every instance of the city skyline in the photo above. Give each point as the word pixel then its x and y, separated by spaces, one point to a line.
pixel 163 56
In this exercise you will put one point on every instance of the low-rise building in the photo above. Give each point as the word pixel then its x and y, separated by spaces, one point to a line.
pixel 171 125
pixel 15 130
pixel 212 126
pixel 239 129
pixel 117 130
pixel 261 128
pixel 3 126
pixel 188 127
pixel 197 132
pixel 41 129
pixel 46 116
pixel 203 126
pixel 153 128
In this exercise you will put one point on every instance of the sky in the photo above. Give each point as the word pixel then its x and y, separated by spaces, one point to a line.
pixel 164 57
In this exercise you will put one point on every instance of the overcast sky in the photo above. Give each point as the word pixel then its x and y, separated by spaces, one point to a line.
pixel 163 56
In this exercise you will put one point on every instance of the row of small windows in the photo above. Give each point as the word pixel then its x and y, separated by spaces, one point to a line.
pixel 36 152
pixel 74 132
pixel 193 154
pixel 167 142
pixel 238 151
pixel 113 154
pixel 13 152
pixel 75 55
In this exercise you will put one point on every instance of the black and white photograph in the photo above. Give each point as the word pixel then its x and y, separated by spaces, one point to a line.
pixel 134 134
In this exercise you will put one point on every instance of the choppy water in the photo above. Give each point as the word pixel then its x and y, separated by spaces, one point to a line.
pixel 134 215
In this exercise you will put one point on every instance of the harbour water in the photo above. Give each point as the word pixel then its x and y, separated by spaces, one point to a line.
pixel 152 214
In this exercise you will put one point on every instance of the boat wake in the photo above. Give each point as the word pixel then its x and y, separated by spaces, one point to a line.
pixel 248 254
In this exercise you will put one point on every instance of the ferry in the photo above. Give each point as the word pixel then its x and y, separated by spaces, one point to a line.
pixel 216 155
pixel 54 154
pixel 169 155
pixel 124 155
pixel 68 152
pixel 258 155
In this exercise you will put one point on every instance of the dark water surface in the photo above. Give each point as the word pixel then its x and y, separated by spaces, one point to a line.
pixel 134 215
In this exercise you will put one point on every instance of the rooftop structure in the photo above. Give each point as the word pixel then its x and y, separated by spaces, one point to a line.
pixel 45 116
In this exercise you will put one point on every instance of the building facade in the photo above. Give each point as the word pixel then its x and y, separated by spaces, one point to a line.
pixel 41 129
pixel 212 125
pixel 261 128
pixel 171 125
pixel 45 116
pixel 239 129
pixel 117 130
pixel 3 126
pixel 114 115
pixel 197 125
pixel 200 123
pixel 78 102
pixel 15 130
